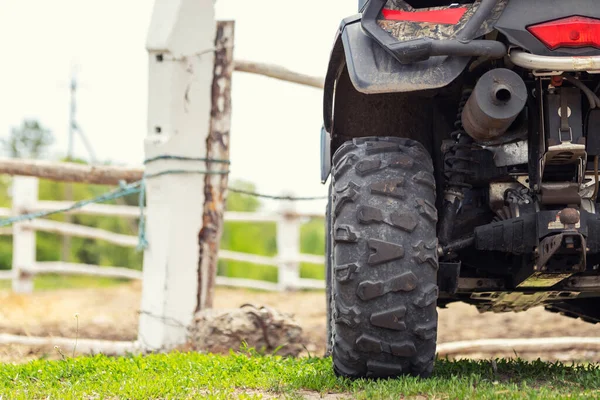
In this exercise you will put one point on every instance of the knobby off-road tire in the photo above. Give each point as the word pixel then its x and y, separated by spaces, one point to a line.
pixel 385 261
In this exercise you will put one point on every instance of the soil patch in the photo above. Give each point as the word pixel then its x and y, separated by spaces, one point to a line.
pixel 112 314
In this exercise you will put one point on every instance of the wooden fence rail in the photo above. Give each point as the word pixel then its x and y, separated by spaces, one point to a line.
pixel 287 260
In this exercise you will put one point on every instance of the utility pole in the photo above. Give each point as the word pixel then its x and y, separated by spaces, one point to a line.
pixel 66 240
pixel 72 111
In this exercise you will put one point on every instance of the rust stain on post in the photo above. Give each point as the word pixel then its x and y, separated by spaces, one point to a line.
pixel 217 147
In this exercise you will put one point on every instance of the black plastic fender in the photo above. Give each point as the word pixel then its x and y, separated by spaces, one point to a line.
pixel 372 70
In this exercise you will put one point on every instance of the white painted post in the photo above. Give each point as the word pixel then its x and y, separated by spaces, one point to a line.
pixel 24 197
pixel 288 246
pixel 181 60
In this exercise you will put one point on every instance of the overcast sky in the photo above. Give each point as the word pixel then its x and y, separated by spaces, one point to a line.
pixel 275 127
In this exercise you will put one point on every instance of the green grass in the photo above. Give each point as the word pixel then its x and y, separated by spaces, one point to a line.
pixel 312 271
pixel 52 282
pixel 249 375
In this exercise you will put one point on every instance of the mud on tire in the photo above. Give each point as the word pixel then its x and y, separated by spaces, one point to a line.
pixel 384 267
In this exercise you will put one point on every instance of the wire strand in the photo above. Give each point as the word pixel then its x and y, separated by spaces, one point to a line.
pixel 272 197
pixel 139 187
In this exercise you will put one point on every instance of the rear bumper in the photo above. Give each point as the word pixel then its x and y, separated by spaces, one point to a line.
pixel 555 64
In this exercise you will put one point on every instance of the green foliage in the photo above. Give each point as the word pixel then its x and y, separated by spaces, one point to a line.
pixel 246 374
pixel 242 202
pixel 30 140
pixel 260 238
pixel 5 241
pixel 312 241
pixel 253 238
pixel 87 251
pixel 257 238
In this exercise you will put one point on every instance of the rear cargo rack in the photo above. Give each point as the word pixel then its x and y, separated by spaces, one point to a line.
pixel 422 49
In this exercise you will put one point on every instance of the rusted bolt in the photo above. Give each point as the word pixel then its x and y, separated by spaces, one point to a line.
pixel 557 80
pixel 569 216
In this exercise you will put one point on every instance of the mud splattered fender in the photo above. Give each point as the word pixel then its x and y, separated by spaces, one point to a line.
pixel 372 70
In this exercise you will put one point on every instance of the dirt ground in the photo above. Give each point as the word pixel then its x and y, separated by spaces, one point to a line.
pixel 112 313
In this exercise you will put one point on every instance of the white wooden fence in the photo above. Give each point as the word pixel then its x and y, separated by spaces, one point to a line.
pixel 25 265
pixel 190 64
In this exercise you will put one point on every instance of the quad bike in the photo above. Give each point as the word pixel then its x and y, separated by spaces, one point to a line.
pixel 461 143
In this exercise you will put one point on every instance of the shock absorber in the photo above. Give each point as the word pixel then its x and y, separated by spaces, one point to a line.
pixel 458 163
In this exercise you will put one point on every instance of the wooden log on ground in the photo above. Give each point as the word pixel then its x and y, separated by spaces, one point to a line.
pixel 277 72
pixel 71 172
pixel 486 346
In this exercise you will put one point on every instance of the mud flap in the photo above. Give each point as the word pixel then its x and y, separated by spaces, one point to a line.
pixel 373 70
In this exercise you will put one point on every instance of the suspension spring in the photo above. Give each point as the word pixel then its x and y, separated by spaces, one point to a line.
pixel 458 168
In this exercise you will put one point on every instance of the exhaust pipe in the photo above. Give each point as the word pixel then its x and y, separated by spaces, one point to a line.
pixel 497 100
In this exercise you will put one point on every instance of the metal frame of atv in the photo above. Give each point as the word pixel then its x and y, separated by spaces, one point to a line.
pixel 422 49
pixel 555 64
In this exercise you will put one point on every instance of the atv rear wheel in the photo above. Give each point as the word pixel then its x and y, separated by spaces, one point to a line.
pixel 384 259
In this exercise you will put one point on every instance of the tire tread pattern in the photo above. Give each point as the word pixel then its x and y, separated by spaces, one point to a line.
pixel 384 259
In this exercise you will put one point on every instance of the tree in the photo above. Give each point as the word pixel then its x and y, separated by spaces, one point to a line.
pixel 30 140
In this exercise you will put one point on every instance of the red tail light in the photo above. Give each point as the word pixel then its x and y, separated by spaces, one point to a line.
pixel 568 32
pixel 443 16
